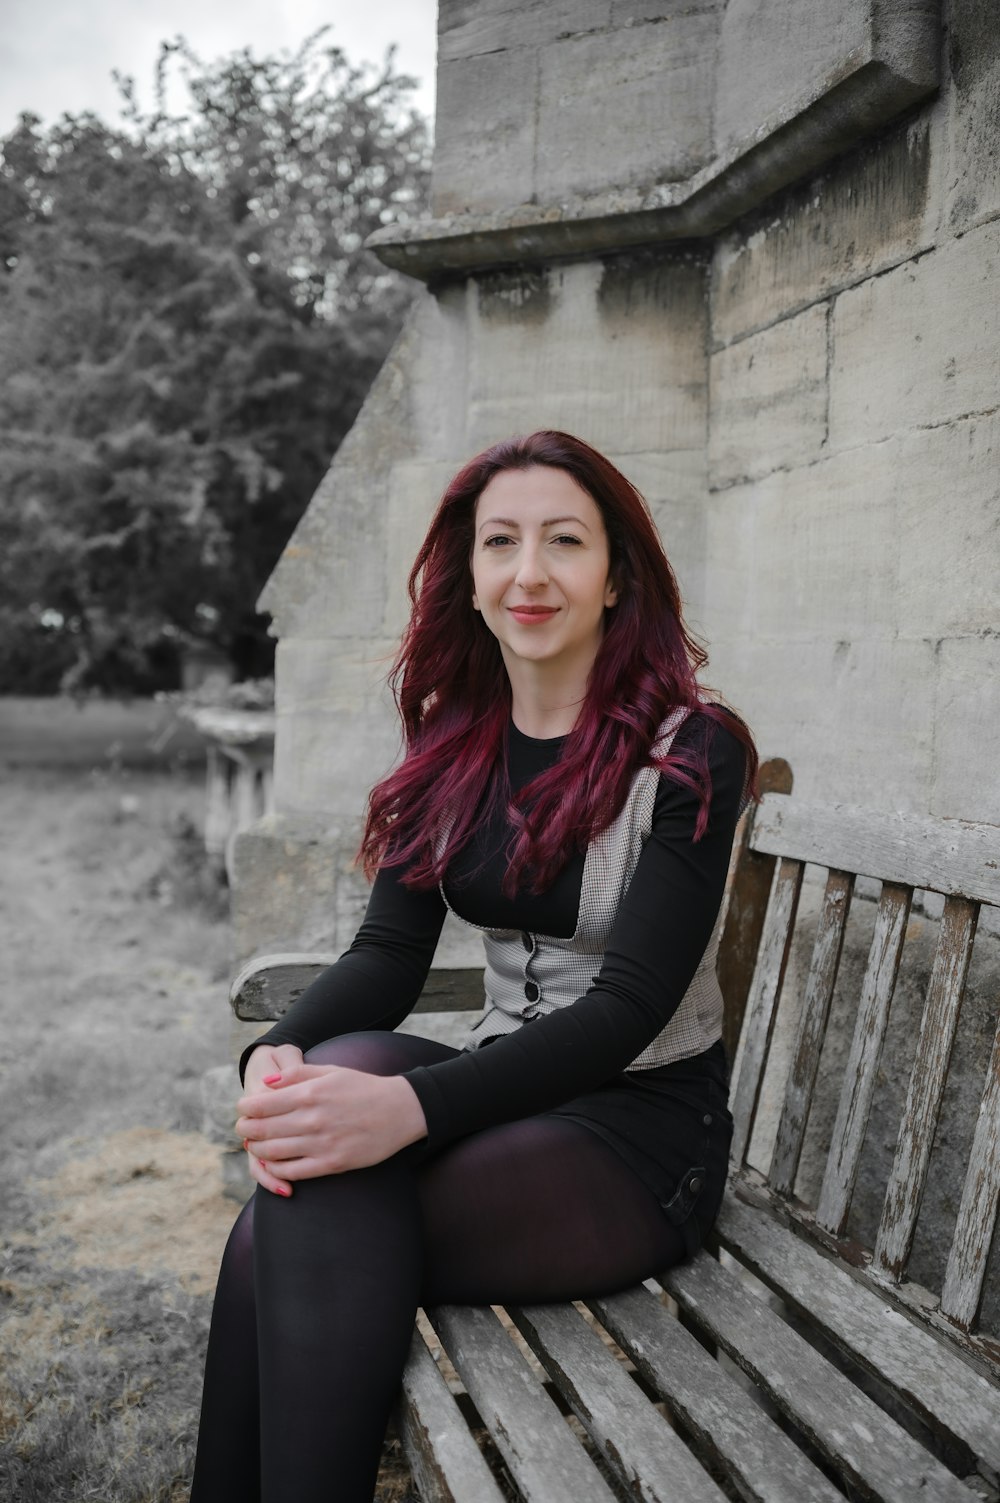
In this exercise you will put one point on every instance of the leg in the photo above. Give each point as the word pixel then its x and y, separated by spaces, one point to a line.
pixel 325 1286
pixel 534 1210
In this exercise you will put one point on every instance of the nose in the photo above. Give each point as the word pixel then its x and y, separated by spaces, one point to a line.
pixel 531 572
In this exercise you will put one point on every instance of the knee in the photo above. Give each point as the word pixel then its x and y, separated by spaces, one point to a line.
pixel 374 1052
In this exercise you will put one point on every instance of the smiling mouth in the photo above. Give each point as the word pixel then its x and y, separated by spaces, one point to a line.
pixel 532 612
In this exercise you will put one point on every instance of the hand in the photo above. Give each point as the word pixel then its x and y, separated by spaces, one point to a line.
pixel 267 1061
pixel 324 1119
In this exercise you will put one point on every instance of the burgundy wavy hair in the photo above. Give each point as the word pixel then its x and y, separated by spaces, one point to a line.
pixel 454 695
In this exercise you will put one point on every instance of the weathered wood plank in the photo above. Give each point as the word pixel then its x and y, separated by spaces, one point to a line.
pixel 650 1458
pixel 546 1460
pixel 938 1025
pixel 727 1424
pixel 267 986
pixel 762 1004
pixel 744 907
pixel 447 1465
pixel 857 1090
pixel 944 855
pixel 811 1030
pixel 945 1391
pixel 977 1214
pixel 868 1449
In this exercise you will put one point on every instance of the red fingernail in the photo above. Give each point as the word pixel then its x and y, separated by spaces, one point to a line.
pixel 271 1079
pixel 246 1144
pixel 282 1191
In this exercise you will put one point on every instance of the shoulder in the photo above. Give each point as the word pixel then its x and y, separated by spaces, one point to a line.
pixel 725 756
pixel 703 733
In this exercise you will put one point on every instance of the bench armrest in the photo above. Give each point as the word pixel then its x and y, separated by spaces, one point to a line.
pixel 267 986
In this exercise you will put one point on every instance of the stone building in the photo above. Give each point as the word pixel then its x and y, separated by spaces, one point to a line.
pixel 752 251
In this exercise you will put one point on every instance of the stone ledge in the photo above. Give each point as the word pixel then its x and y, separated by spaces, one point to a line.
pixel 781 151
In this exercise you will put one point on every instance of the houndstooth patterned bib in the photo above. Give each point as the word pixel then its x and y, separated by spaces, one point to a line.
pixel 529 975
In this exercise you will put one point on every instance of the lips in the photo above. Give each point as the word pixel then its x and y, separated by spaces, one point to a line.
pixel 532 615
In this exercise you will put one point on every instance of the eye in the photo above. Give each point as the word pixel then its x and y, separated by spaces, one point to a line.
pixel 496 540
pixel 566 537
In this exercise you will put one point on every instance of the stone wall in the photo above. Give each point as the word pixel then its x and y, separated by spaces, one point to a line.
pixel 757 264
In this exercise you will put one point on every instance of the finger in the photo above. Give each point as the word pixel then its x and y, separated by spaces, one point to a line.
pixel 275 1150
pixel 266 1178
pixel 272 1102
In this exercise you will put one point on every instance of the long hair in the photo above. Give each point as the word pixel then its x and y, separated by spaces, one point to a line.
pixel 454 696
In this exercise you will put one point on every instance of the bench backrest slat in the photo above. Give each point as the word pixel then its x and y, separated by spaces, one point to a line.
pixel 946 856
pixel 811 1030
pixel 772 958
pixel 977 1214
pixel 927 1079
pixel 858 1087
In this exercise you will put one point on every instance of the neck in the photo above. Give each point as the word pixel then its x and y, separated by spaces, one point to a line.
pixel 542 707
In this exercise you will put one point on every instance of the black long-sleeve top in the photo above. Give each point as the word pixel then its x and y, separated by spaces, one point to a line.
pixel 659 936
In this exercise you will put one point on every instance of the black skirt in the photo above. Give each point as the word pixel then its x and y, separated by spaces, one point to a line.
pixel 672 1126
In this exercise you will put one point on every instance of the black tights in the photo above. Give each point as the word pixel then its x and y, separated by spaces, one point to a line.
pixel 317 1293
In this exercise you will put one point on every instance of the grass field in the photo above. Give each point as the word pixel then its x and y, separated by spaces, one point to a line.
pixel 114 965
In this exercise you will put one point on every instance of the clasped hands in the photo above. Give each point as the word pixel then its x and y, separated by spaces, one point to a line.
pixel 300 1121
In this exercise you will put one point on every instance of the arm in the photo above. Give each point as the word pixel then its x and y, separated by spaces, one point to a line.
pixel 377 981
pixel 302 1120
pixel 660 934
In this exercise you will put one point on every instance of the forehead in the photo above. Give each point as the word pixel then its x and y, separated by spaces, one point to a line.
pixel 535 494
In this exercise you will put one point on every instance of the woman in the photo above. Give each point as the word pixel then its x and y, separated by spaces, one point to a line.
pixel 567 789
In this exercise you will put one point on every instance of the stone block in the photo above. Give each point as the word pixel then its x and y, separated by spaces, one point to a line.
pixel 675 487
pixel 485 135
pixel 617 358
pixel 869 211
pixel 467 28
pixel 329 759
pixel 825 546
pixel 972 96
pixel 768 399
pixel 729 579
pixel 900 538
pixel 414 493
pixel 220 1089
pixel 919 345
pixel 286 871
pixel 946 482
pixel 966 713
pixel 773 60
pixel 628 108
pixel 852 718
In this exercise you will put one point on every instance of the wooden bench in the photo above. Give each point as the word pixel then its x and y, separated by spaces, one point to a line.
pixel 788 1363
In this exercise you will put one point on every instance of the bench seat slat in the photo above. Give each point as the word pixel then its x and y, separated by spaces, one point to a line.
pixel 938 1026
pixel 447 1464
pixel 812 1027
pixel 868 1447
pixel 759 1459
pixel 546 1459
pixel 858 1087
pixel 943 1389
pixel 977 1215
pixel 943 855
pixel 650 1457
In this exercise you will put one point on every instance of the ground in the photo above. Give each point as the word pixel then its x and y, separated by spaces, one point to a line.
pixel 115 962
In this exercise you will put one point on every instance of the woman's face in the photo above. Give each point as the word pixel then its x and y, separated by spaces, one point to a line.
pixel 541 568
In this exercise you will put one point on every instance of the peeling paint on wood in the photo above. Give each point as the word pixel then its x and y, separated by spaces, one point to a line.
pixel 762 1004
pixel 977 1215
pixel 923 1102
pixel 812 1028
pixel 866 1050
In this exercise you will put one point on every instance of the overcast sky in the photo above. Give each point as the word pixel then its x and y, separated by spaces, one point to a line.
pixel 57 55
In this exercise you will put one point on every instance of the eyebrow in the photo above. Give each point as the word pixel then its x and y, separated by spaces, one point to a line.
pixel 548 522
